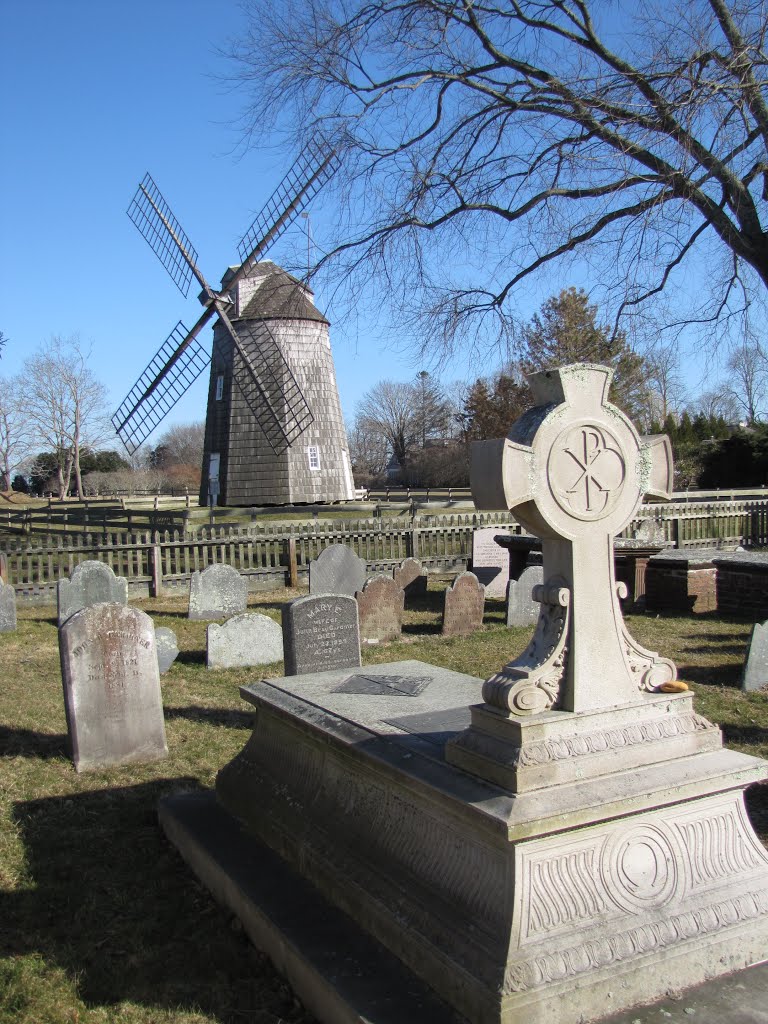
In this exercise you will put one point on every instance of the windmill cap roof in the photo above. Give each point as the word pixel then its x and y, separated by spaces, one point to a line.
pixel 280 296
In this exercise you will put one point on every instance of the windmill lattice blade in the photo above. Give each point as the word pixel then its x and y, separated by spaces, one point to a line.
pixel 302 183
pixel 167 377
pixel 269 387
pixel 166 237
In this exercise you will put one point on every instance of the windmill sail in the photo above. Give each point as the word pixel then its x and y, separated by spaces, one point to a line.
pixel 164 235
pixel 174 367
pixel 269 387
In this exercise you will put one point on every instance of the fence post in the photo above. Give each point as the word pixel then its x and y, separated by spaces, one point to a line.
pixel 293 569
pixel 156 571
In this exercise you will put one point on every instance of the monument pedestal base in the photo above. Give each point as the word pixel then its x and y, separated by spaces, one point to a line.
pixel 559 904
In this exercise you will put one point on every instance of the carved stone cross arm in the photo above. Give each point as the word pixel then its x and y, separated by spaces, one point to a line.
pixel 574 470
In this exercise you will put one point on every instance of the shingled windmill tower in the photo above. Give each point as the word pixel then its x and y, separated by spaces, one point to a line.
pixel 241 456
pixel 274 432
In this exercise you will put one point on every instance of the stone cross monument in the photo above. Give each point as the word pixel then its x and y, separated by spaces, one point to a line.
pixel 574 470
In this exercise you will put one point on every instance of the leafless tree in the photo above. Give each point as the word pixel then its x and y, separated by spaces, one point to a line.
pixel 664 380
pixel 487 141
pixel 748 378
pixel 15 431
pixel 716 402
pixel 367 448
pixel 389 410
pixel 181 444
pixel 65 405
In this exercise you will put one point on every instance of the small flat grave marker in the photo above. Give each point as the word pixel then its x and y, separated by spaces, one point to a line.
pixel 490 562
pixel 755 672
pixel 7 608
pixel 384 686
pixel 248 639
pixel 320 632
pixel 380 608
pixel 217 593
pixel 167 648
pixel 337 570
pixel 91 583
pixel 111 683
pixel 464 605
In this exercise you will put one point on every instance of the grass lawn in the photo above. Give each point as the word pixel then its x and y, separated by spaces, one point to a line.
pixel 101 921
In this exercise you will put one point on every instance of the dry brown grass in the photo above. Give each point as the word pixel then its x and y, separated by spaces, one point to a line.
pixel 101 921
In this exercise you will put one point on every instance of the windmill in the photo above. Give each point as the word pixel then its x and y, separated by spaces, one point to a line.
pixel 265 382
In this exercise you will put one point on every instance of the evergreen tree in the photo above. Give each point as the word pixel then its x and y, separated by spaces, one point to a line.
pixel 566 331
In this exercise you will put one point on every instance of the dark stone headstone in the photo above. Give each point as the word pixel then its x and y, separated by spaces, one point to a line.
pixel 217 593
pixel 464 605
pixel 380 608
pixel 320 632
pixel 111 687
pixel 337 570
pixel 91 583
pixel 167 648
pixel 490 562
pixel 248 639
pixel 7 608
pixel 411 577
pixel 755 673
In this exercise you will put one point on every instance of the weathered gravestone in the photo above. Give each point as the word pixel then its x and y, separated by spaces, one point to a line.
pixel 320 633
pixel 522 609
pixel 755 672
pixel 167 648
pixel 464 605
pixel 573 843
pixel 380 609
pixel 490 562
pixel 3 567
pixel 111 683
pixel 7 608
pixel 337 570
pixel 91 582
pixel 249 639
pixel 411 577
pixel 217 592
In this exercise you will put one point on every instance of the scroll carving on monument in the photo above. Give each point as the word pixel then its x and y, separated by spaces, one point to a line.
pixel 532 682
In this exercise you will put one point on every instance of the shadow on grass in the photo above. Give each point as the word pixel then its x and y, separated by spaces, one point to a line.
pixel 711 675
pixel 213 716
pixel 745 734
pixel 717 648
pixel 422 629
pixel 191 657
pixel 756 799
pixel 26 743
pixel 114 905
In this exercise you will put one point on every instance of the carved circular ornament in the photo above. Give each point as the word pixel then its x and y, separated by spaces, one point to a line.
pixel 640 868
pixel 587 471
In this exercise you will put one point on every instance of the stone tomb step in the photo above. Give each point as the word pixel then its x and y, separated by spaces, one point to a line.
pixel 339 972
pixel 549 906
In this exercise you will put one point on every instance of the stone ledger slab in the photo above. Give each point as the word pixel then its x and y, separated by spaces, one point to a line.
pixel 320 632
pixel 566 900
pixel 111 684
pixel 7 608
pixel 249 639
pixel 380 607
pixel 217 593
pixel 337 570
pixel 91 583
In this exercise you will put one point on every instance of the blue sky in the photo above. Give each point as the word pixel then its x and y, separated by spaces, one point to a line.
pixel 94 94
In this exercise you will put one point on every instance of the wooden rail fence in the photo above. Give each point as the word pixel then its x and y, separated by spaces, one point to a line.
pixel 274 554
